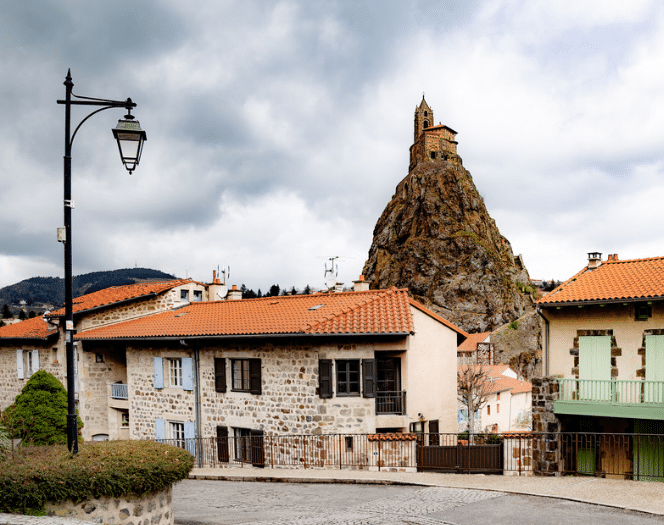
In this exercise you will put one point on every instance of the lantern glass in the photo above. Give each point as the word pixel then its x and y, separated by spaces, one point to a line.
pixel 130 139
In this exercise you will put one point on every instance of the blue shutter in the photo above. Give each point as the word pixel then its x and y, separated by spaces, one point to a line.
pixel 158 372
pixel 160 429
pixel 187 374
pixel 19 364
pixel 189 435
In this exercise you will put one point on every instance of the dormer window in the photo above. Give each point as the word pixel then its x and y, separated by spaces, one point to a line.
pixel 184 295
pixel 198 295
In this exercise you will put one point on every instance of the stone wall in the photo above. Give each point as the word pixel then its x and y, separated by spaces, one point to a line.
pixel 151 509
pixel 547 454
pixel 288 404
pixel 11 384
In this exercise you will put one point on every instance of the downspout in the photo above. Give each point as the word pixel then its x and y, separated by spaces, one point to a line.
pixel 546 341
pixel 197 401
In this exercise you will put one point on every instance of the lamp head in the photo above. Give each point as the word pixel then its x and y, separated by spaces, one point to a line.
pixel 130 139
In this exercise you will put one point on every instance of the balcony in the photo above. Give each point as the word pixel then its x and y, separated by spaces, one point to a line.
pixel 610 398
pixel 391 403
pixel 119 391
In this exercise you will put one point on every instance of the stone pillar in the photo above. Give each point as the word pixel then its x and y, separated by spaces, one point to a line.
pixel 547 450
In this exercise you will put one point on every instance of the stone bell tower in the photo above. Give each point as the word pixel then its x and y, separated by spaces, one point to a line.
pixel 431 142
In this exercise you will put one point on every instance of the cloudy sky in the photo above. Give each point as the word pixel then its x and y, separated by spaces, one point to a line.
pixel 278 130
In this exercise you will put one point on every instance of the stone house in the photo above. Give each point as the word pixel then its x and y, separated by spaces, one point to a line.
pixel 38 343
pixel 604 363
pixel 359 362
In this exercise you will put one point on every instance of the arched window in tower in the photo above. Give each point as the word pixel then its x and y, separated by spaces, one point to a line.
pixel 425 124
pixel 426 113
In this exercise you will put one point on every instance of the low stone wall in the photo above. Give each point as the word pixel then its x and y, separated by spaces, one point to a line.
pixel 152 509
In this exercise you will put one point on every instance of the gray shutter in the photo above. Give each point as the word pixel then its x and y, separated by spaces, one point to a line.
pixel 255 376
pixel 160 429
pixel 369 377
pixel 219 374
pixel 325 378
pixel 187 373
pixel 190 437
pixel 158 372
pixel 19 364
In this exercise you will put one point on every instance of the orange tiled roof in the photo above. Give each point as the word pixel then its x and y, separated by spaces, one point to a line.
pixel 470 344
pixel 118 294
pixel 35 328
pixel 370 312
pixel 613 280
pixel 509 383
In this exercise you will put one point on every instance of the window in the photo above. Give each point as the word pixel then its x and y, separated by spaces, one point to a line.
pixel 99 358
pixel 498 396
pixel 198 295
pixel 27 363
pixel 175 372
pixel 177 433
pixel 54 353
pixel 497 408
pixel 124 423
pixel 488 410
pixel 249 446
pixel 348 377
pixel 184 295
pixel 246 375
pixel 433 155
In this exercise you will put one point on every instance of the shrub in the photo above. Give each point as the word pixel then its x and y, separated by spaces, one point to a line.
pixel 39 413
pixel 111 469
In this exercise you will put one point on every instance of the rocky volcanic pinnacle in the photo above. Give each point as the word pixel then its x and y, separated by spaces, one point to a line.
pixel 436 238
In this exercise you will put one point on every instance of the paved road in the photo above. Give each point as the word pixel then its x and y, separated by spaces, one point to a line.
pixel 198 502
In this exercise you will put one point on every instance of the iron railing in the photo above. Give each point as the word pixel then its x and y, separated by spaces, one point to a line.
pixel 628 392
pixel 119 391
pixel 624 456
pixel 391 402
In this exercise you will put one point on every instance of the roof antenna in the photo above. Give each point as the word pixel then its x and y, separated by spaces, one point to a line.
pixel 331 274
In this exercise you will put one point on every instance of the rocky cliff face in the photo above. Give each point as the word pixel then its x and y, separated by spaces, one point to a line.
pixel 436 238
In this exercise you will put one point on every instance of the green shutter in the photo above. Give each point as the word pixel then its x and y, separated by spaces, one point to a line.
pixel 595 367
pixel 654 392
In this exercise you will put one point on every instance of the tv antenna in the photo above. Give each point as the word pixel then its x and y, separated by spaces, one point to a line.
pixel 223 290
pixel 332 273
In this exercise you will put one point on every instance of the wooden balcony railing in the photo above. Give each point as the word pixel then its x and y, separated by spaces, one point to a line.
pixel 391 403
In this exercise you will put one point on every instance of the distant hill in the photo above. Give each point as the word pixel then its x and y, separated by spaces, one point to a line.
pixel 41 293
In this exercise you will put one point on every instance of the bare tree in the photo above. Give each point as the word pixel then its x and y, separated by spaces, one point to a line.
pixel 473 389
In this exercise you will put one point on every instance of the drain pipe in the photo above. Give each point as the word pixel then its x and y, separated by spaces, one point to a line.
pixel 197 399
pixel 546 341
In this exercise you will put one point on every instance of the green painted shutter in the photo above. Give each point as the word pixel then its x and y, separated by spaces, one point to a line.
pixel 595 368
pixel 654 392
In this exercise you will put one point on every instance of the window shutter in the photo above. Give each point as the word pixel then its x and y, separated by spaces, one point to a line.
pixel 189 437
pixel 222 445
pixel 19 364
pixel 160 429
pixel 257 449
pixel 369 377
pixel 158 372
pixel 255 376
pixel 35 360
pixel 187 373
pixel 219 374
pixel 325 378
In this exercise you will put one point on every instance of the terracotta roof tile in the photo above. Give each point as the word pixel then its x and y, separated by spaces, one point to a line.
pixel 35 328
pixel 470 344
pixel 118 294
pixel 370 312
pixel 613 280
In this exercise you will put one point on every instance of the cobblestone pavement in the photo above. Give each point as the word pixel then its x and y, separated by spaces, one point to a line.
pixel 251 503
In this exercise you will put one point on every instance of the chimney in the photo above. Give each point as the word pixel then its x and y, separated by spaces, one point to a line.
pixel 361 285
pixel 338 288
pixel 613 257
pixel 594 260
pixel 234 294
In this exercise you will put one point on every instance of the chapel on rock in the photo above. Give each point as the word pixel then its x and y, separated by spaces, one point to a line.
pixel 431 142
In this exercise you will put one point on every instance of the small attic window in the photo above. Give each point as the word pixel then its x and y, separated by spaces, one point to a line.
pixel 642 312
pixel 184 295
pixel 316 307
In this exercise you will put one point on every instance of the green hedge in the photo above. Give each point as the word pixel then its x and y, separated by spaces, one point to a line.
pixel 36 475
